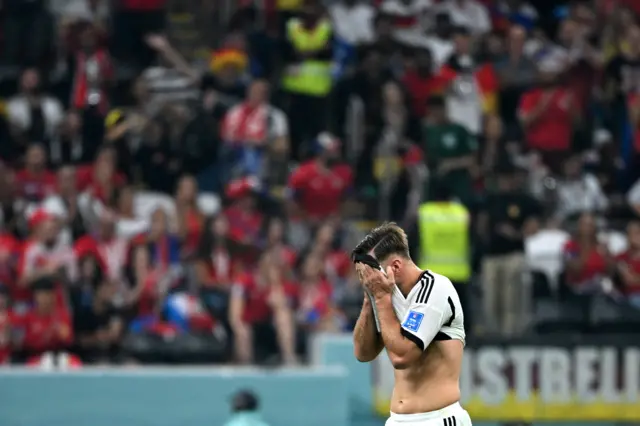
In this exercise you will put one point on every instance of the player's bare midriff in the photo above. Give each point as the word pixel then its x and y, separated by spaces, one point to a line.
pixel 432 383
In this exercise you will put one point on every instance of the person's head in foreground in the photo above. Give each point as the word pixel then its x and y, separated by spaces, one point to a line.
pixel 244 401
pixel 245 406
pixel 388 245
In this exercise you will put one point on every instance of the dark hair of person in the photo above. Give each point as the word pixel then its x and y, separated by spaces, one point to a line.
pixel 384 241
pixel 207 239
pixel 244 401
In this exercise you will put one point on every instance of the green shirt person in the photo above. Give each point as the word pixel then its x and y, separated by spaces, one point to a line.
pixel 244 407
pixel 450 152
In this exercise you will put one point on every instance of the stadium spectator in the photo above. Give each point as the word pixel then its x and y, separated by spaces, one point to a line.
pixel 371 74
pixel 408 16
pixel 34 116
pixel 507 217
pixel 43 257
pixel 516 72
pixel 97 324
pixel 472 85
pixel 128 224
pixel 67 205
pixel 101 180
pixel 449 150
pixel 260 316
pixel 92 77
pixel 440 42
pixel 307 76
pixel 277 246
pixel 218 262
pixel 190 219
pixel 109 250
pixel 157 159
pixel 423 80
pixel 319 186
pixel 255 132
pixel 163 246
pixel 546 114
pixel 578 191
pixel 243 213
pixel 315 300
pixel 35 181
pixel 587 259
pixel 68 146
pixel 336 261
pixel 47 325
pixel 628 265
pixel 396 161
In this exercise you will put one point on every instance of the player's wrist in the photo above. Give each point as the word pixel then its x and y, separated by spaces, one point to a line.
pixel 382 298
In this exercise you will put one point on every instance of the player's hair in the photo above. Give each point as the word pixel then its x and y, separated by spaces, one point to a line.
pixel 383 241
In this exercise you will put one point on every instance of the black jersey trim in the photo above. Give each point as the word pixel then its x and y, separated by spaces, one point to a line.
pixel 426 286
pixel 415 339
pixel 453 312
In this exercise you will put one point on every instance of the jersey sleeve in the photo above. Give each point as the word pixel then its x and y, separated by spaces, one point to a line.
pixel 427 314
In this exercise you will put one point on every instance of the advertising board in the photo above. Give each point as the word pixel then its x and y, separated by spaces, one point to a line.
pixel 541 380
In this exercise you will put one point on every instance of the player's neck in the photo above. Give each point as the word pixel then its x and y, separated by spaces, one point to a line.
pixel 409 278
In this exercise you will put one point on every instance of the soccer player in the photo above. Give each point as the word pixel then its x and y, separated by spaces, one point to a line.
pixel 417 317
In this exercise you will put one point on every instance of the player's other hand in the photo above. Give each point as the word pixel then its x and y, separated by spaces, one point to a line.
pixel 377 282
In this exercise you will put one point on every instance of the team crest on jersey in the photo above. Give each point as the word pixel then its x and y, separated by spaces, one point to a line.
pixel 413 321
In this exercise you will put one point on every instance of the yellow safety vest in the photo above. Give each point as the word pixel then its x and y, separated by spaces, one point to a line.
pixel 444 239
pixel 311 77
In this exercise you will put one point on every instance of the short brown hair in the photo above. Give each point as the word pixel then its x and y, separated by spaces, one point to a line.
pixel 383 241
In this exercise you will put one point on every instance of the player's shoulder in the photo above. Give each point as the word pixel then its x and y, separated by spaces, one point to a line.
pixel 433 288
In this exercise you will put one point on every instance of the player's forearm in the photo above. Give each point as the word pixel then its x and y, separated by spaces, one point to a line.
pixel 399 348
pixel 366 340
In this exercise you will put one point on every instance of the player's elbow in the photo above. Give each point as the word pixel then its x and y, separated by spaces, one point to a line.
pixel 363 355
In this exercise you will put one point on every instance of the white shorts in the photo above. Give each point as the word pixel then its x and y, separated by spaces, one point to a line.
pixel 453 415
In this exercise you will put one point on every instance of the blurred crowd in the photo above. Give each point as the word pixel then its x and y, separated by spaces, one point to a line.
pixel 181 181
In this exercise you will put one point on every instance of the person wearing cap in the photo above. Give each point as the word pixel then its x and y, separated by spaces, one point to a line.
pixel 245 410
pixel 450 152
pixel 506 217
pixel 318 187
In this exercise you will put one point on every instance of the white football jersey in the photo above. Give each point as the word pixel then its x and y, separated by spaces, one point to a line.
pixel 431 311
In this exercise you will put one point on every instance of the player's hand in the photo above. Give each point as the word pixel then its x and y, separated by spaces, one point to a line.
pixel 377 282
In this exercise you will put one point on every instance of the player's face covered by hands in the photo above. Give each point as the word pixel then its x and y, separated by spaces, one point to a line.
pixel 375 281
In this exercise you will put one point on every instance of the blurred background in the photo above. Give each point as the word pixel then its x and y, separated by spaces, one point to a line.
pixel 181 182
